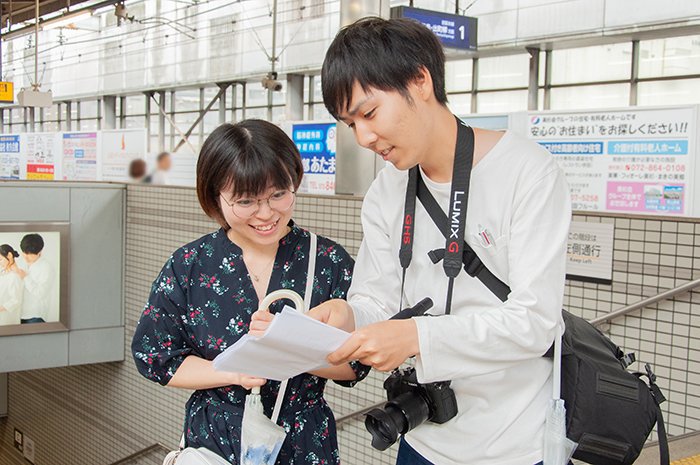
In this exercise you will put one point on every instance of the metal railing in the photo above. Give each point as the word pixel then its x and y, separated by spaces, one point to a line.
pixel 142 452
pixel 645 303
pixel 668 294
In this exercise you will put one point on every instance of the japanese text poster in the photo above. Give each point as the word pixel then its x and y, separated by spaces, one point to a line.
pixel 633 161
pixel 316 143
pixel 10 156
pixel 41 156
pixel 80 156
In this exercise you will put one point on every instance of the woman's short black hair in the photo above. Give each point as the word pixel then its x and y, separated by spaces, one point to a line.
pixel 386 54
pixel 247 158
pixel 32 244
pixel 7 249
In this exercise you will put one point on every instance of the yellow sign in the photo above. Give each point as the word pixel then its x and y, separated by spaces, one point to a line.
pixel 7 92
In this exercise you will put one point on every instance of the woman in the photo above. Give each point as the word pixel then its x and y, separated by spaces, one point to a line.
pixel 203 300
pixel 11 287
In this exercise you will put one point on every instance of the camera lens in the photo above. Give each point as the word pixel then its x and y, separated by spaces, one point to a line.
pixel 398 416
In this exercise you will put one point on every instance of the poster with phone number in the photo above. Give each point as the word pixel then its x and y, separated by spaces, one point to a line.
pixel 631 161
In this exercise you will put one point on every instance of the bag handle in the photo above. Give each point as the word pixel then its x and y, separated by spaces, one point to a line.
pixel 302 306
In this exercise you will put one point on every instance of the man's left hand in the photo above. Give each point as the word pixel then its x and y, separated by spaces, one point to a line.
pixel 383 346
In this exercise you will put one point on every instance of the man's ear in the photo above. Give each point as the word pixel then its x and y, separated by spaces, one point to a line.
pixel 423 83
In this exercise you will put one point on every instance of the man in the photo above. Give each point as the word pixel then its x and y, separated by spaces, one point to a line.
pixel 38 280
pixel 163 164
pixel 385 79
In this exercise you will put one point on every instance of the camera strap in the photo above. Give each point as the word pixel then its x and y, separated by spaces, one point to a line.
pixel 459 192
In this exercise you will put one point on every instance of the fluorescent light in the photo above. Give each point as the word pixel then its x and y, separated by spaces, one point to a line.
pixel 64 19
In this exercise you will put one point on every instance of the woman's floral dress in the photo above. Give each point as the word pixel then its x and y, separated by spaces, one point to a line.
pixel 202 302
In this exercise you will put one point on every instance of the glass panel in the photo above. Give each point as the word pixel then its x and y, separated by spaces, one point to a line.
pixel 669 57
pixel 501 102
pixel 280 98
pixel 136 104
pixel 209 94
pixel 50 113
pixel 88 125
pixel 187 99
pixel 88 109
pixel 608 96
pixel 318 90
pixel 679 92
pixel 256 95
pixel 460 104
pixel 51 126
pixel 278 115
pixel 135 122
pixel 591 64
pixel 260 113
pixel 504 71
pixel 458 76
pixel 321 114
pixel 211 121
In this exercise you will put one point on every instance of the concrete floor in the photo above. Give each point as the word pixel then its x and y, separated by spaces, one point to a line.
pixel 679 448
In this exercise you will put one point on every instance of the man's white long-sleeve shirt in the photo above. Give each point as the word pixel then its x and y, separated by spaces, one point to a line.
pixel 517 222
pixel 38 284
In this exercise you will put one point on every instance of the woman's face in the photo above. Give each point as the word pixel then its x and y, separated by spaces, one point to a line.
pixel 4 262
pixel 261 220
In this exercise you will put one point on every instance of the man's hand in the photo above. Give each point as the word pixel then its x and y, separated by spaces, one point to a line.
pixel 259 322
pixel 336 313
pixel 384 345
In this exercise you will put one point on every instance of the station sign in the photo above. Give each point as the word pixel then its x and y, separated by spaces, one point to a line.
pixel 454 31
pixel 7 92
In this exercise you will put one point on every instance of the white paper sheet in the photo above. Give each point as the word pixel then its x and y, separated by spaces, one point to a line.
pixel 293 343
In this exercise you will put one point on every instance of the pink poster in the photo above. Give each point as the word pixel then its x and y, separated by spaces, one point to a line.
pixel 645 197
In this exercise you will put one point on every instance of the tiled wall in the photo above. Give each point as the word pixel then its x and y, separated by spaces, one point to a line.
pixel 98 414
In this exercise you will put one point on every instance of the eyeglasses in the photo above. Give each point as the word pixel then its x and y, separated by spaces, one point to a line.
pixel 280 201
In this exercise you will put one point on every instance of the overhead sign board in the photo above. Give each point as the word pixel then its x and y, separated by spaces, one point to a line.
pixel 7 92
pixel 316 143
pixel 454 31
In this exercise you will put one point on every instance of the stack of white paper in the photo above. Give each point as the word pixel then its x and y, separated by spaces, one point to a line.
pixel 293 343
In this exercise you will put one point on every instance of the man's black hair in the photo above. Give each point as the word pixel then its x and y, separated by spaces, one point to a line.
pixel 386 54
pixel 32 244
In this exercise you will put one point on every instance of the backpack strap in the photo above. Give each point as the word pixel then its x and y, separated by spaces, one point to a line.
pixel 659 398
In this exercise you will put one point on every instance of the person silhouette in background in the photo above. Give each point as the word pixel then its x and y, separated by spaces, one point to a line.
pixel 164 163
pixel 138 170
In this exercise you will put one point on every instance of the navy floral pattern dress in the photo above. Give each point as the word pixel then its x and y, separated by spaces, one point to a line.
pixel 202 302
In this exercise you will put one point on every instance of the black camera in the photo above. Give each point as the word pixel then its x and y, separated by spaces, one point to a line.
pixel 409 404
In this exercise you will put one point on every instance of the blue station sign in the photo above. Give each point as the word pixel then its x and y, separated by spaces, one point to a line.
pixel 454 31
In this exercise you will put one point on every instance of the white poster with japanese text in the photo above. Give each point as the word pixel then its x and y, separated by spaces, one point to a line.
pixel 589 252
pixel 42 151
pixel 119 147
pixel 632 161
pixel 80 161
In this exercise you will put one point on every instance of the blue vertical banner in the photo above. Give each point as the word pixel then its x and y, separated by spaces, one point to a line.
pixel 316 143
pixel 10 157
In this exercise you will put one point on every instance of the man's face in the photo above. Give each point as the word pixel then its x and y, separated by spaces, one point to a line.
pixel 386 123
pixel 165 163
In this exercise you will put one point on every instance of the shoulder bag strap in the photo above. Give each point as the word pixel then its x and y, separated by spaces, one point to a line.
pixel 310 273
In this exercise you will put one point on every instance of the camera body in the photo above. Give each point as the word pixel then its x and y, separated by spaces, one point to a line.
pixel 409 405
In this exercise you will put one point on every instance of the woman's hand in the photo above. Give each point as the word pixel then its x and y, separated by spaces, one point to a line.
pixel 248 382
pixel 259 322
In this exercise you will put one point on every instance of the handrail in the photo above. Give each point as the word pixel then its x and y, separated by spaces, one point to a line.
pixel 357 413
pixel 141 452
pixel 667 294
pixel 645 302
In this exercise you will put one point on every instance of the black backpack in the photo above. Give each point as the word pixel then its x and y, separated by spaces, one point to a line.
pixel 610 412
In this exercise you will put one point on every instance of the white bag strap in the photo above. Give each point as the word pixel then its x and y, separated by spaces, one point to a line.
pixel 556 372
pixel 310 274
